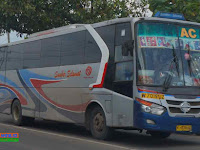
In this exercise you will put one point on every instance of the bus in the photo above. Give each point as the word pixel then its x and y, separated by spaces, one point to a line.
pixel 128 73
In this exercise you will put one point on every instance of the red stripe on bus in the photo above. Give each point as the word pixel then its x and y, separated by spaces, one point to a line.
pixel 103 78
pixel 22 100
pixel 38 86
pixel 147 91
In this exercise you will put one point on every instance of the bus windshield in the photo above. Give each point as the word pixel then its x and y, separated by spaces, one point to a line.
pixel 165 50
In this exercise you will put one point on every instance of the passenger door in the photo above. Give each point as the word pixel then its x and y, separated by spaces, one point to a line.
pixel 123 81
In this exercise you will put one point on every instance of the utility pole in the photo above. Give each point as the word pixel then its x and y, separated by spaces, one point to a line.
pixel 8 35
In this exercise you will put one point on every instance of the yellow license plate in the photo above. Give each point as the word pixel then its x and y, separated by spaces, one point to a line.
pixel 183 128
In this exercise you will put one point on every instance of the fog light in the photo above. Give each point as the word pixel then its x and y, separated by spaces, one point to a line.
pixel 150 122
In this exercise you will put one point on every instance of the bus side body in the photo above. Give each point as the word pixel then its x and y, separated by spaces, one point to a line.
pixel 52 77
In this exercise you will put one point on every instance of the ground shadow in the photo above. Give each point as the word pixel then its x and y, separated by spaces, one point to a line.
pixel 120 137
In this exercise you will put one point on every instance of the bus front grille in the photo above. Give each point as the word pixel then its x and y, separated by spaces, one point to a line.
pixel 175 107
pixel 178 110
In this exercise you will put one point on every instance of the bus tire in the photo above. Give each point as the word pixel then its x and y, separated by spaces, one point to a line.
pixel 98 127
pixel 17 117
pixel 159 135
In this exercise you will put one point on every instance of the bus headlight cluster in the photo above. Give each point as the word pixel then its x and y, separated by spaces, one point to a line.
pixel 152 108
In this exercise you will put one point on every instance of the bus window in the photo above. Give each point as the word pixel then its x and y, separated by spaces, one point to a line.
pixel 123 62
pixel 72 48
pixel 124 71
pixel 14 57
pixel 107 33
pixel 50 54
pixel 31 54
pixel 119 57
pixel 92 50
pixel 2 58
pixel 123 33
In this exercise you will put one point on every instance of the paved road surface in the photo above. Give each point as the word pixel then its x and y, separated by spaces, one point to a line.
pixel 47 135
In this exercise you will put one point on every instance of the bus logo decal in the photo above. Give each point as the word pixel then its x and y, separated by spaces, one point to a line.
pixel 71 73
pixel 88 71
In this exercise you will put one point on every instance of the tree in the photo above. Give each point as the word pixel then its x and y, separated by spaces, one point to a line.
pixel 189 8
pixel 29 16
pixel 139 8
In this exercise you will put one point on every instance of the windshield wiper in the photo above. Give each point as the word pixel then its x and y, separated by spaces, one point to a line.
pixel 168 78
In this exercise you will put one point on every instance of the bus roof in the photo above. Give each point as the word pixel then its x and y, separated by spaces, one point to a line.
pixel 79 27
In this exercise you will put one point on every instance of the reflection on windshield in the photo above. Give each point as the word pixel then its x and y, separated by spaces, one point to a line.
pixel 157 64
pixel 162 53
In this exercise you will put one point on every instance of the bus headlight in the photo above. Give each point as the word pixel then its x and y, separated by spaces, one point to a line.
pixel 152 108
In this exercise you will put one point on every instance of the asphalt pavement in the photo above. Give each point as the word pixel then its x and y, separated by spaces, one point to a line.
pixel 49 135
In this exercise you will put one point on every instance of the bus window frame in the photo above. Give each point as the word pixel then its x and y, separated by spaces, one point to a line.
pixel 136 47
pixel 116 45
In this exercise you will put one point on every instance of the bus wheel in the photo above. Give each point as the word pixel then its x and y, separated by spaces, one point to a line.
pixel 98 127
pixel 159 135
pixel 17 117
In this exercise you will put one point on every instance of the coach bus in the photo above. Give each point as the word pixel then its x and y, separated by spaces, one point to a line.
pixel 128 73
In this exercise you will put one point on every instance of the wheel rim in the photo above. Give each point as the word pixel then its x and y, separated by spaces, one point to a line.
pixel 98 122
pixel 16 113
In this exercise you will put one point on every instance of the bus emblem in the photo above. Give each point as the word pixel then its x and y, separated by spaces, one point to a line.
pixel 185 107
pixel 88 71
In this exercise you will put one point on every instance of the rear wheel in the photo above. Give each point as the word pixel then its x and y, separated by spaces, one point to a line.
pixel 17 117
pixel 159 135
pixel 98 127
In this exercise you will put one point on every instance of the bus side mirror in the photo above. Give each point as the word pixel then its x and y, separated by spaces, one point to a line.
pixel 128 47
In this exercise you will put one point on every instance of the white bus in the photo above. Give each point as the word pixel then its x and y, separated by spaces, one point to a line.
pixel 129 73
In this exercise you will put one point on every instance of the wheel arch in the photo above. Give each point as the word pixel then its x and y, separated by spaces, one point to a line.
pixel 90 107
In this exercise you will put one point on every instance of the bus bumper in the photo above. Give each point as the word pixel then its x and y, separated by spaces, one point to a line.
pixel 164 122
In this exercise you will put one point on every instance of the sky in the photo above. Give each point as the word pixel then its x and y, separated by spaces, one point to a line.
pixel 13 38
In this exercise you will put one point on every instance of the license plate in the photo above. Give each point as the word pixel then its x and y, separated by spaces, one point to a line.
pixel 183 128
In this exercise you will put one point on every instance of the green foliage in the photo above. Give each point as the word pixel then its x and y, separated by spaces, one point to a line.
pixel 139 8
pixel 189 8
pixel 29 16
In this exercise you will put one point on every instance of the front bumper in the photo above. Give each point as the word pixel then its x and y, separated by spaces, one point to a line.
pixel 164 123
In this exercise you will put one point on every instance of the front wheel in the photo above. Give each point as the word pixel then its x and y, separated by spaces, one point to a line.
pixel 159 135
pixel 98 127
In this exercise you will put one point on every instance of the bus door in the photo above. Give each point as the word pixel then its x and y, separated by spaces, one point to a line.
pixel 123 82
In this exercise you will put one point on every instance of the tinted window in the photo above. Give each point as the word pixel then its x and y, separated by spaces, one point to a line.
pixel 123 83
pixel 123 62
pixel 124 71
pixel 123 33
pixel 31 54
pixel 14 57
pixel 92 50
pixel 72 48
pixel 119 56
pixel 107 33
pixel 2 58
pixel 50 54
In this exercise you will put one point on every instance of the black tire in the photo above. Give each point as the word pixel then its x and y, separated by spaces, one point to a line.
pixel 98 127
pixel 159 135
pixel 17 117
